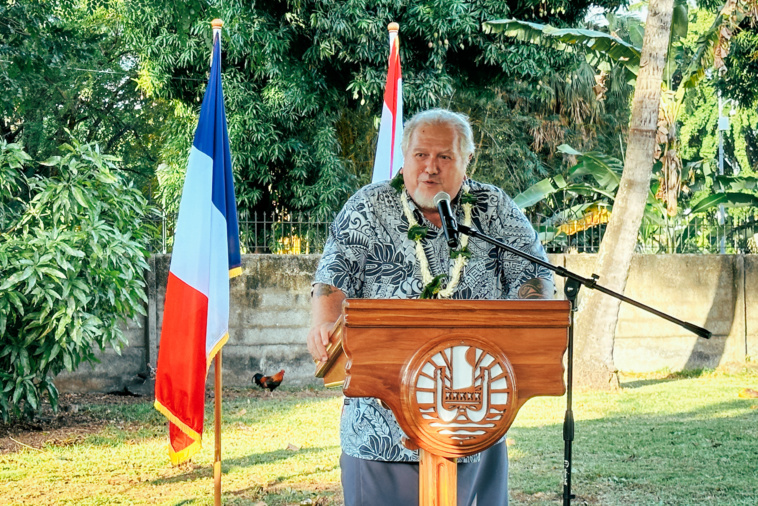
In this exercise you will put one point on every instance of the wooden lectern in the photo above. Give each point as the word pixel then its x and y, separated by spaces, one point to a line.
pixel 453 372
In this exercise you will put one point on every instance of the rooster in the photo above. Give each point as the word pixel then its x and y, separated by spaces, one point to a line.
pixel 270 382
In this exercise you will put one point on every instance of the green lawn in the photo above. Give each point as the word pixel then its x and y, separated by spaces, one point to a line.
pixel 660 440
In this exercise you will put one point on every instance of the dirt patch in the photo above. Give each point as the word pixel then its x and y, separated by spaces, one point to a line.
pixel 71 424
pixel 74 420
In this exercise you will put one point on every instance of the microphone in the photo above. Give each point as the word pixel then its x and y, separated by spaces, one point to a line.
pixel 449 225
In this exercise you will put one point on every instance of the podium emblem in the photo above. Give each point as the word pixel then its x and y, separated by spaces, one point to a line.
pixel 463 393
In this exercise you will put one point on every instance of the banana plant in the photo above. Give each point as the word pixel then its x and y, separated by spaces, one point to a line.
pixel 599 45
pixel 731 191
pixel 611 49
pixel 584 197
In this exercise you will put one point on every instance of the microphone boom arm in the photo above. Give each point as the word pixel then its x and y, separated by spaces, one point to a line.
pixel 588 282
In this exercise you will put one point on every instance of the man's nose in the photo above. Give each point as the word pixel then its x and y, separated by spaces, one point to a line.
pixel 432 167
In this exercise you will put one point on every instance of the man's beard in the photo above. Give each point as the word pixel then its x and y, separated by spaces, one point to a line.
pixel 422 201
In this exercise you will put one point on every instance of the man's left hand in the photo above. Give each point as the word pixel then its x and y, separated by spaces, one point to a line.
pixel 537 288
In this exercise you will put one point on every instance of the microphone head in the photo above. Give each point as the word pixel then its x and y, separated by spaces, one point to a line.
pixel 440 197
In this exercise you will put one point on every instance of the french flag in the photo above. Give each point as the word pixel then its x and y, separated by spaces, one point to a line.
pixel 389 156
pixel 205 256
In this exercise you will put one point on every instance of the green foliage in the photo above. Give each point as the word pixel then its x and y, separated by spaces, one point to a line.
pixel 71 268
pixel 304 80
pixel 64 66
pixel 12 160
pixel 730 199
pixel 698 131
pixel 739 82
pixel 592 180
pixel 600 45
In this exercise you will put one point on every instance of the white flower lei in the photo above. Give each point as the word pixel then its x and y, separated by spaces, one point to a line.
pixel 460 261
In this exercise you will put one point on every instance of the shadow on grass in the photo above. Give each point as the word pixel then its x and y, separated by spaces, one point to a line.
pixel 249 461
pixel 664 378
pixel 697 456
pixel 251 496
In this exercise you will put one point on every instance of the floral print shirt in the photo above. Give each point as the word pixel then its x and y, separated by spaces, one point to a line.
pixel 368 255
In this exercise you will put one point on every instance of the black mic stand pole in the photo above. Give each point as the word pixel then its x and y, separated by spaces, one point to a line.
pixel 571 289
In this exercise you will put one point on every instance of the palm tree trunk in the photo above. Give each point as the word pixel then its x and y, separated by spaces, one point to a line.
pixel 596 321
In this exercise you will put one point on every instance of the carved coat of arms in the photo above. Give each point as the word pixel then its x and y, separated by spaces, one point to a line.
pixel 463 394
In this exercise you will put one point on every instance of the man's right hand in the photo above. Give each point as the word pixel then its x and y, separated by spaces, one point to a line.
pixel 326 308
pixel 318 340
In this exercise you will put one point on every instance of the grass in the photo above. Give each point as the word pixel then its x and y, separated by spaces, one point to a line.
pixel 662 439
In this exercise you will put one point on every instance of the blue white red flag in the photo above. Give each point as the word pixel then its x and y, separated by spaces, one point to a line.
pixel 389 155
pixel 205 256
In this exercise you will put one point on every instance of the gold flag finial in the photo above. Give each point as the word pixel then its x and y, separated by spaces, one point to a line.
pixel 393 27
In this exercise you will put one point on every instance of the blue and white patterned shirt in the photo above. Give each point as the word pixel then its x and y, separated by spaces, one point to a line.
pixel 368 255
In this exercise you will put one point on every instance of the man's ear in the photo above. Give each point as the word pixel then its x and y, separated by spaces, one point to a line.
pixel 468 161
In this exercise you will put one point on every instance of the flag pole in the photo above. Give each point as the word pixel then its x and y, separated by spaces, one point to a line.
pixel 217 24
pixel 388 158
pixel 217 429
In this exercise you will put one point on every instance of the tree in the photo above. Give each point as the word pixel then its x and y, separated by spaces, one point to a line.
pixel 72 262
pixel 64 66
pixel 304 81
pixel 599 312
pixel 689 107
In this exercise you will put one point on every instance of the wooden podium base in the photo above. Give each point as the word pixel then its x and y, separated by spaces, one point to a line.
pixel 438 480
pixel 448 368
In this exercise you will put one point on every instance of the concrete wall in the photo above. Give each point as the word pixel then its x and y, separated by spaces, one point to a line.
pixel 115 371
pixel 712 291
pixel 270 305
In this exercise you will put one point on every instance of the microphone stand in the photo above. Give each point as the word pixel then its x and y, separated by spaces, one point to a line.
pixel 571 289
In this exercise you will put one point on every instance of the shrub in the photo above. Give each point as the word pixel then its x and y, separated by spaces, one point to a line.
pixel 72 261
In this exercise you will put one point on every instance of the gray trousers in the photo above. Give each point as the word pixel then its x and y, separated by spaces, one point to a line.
pixel 374 483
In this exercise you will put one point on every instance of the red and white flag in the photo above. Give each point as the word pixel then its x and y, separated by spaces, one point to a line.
pixel 389 155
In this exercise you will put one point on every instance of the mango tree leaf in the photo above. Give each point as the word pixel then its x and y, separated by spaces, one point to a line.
pixel 52 272
pixel 17 393
pixel 67 361
pixel 31 395
pixel 16 278
pixel 53 160
pixel 52 393
pixel 79 196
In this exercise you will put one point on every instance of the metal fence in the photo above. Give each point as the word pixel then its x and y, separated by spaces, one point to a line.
pixel 294 234
pixel 682 234
pixel 302 234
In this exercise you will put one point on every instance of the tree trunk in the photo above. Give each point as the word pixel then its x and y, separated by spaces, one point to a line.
pixel 598 315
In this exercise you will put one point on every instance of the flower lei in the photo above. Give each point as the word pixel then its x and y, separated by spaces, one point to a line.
pixel 416 232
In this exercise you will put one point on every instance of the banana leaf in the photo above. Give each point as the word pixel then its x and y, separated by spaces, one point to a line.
pixel 605 170
pixel 539 191
pixel 679 19
pixel 599 44
pixel 728 199
pixel 736 183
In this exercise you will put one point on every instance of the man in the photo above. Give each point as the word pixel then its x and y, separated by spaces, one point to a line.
pixel 371 254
